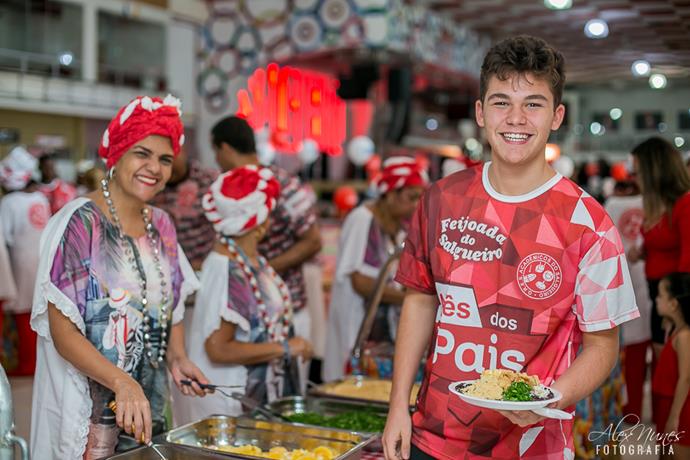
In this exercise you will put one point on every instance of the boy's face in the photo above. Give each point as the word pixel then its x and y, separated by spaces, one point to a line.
pixel 518 115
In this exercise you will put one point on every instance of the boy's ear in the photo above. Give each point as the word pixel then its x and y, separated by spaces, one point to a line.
pixel 479 113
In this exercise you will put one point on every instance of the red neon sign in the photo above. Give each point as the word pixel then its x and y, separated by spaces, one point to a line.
pixel 295 105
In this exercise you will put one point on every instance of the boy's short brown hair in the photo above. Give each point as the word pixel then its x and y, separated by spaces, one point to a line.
pixel 524 54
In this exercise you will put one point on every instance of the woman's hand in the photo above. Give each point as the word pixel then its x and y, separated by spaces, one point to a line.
pixel 183 369
pixel 300 347
pixel 132 411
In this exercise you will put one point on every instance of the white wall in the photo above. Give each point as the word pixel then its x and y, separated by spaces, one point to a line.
pixel 181 66
pixel 631 99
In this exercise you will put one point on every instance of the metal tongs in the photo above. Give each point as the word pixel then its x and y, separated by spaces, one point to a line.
pixel 209 386
pixel 113 407
pixel 250 403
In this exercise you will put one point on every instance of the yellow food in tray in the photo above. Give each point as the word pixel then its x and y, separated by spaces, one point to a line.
pixel 281 453
pixel 369 389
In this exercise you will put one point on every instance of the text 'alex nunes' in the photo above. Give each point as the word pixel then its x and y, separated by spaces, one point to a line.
pixel 465 248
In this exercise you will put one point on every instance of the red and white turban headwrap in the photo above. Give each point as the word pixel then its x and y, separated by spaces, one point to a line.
pixel 144 116
pixel 399 172
pixel 17 169
pixel 241 199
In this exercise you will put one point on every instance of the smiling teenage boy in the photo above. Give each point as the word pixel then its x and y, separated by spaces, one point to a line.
pixel 508 265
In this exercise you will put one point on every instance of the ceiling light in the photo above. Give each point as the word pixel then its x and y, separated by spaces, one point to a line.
pixel 596 28
pixel 431 124
pixel 615 113
pixel 679 141
pixel 66 58
pixel 558 4
pixel 657 81
pixel 641 68
pixel 596 128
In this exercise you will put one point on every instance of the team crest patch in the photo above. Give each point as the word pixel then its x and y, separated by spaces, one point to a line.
pixel 38 215
pixel 539 276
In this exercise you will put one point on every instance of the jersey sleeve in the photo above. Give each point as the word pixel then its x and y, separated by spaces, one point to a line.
pixel 604 296
pixel 414 270
pixel 7 221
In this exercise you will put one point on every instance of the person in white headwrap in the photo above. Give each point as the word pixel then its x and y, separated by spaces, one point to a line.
pixel 242 330
pixel 24 212
pixel 370 235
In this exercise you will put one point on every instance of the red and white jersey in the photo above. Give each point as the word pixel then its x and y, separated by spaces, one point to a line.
pixel 23 216
pixel 518 278
pixel 626 213
pixel 59 193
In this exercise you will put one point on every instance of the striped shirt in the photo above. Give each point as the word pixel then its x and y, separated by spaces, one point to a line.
pixel 293 215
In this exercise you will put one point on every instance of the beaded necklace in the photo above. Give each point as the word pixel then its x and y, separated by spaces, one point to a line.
pixel 152 239
pixel 275 334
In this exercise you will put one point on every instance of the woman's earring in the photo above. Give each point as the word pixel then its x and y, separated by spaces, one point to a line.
pixel 111 173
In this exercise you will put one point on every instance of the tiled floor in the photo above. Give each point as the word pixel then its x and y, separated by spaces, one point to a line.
pixel 22 390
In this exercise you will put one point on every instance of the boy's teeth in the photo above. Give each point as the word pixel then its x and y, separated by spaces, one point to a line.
pixel 515 137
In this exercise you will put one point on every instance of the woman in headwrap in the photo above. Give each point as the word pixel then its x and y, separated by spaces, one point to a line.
pixel 109 299
pixel 242 331
pixel 369 236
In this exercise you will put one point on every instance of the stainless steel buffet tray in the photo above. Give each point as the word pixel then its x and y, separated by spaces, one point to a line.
pixel 326 406
pixel 171 452
pixel 361 389
pixel 220 430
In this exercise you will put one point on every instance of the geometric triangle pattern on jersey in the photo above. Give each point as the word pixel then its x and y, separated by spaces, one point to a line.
pixel 581 215
pixel 547 235
pixel 522 281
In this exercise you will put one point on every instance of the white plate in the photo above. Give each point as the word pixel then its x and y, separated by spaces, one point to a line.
pixel 503 405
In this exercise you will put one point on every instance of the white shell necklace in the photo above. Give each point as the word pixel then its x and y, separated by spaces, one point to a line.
pixel 152 238
pixel 275 334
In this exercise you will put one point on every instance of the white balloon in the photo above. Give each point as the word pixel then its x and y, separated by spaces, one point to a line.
pixel 265 152
pixel 309 152
pixel 360 149
pixel 261 135
pixel 467 128
pixel 564 165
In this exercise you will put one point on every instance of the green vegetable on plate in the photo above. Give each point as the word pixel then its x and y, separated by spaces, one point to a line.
pixel 518 391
